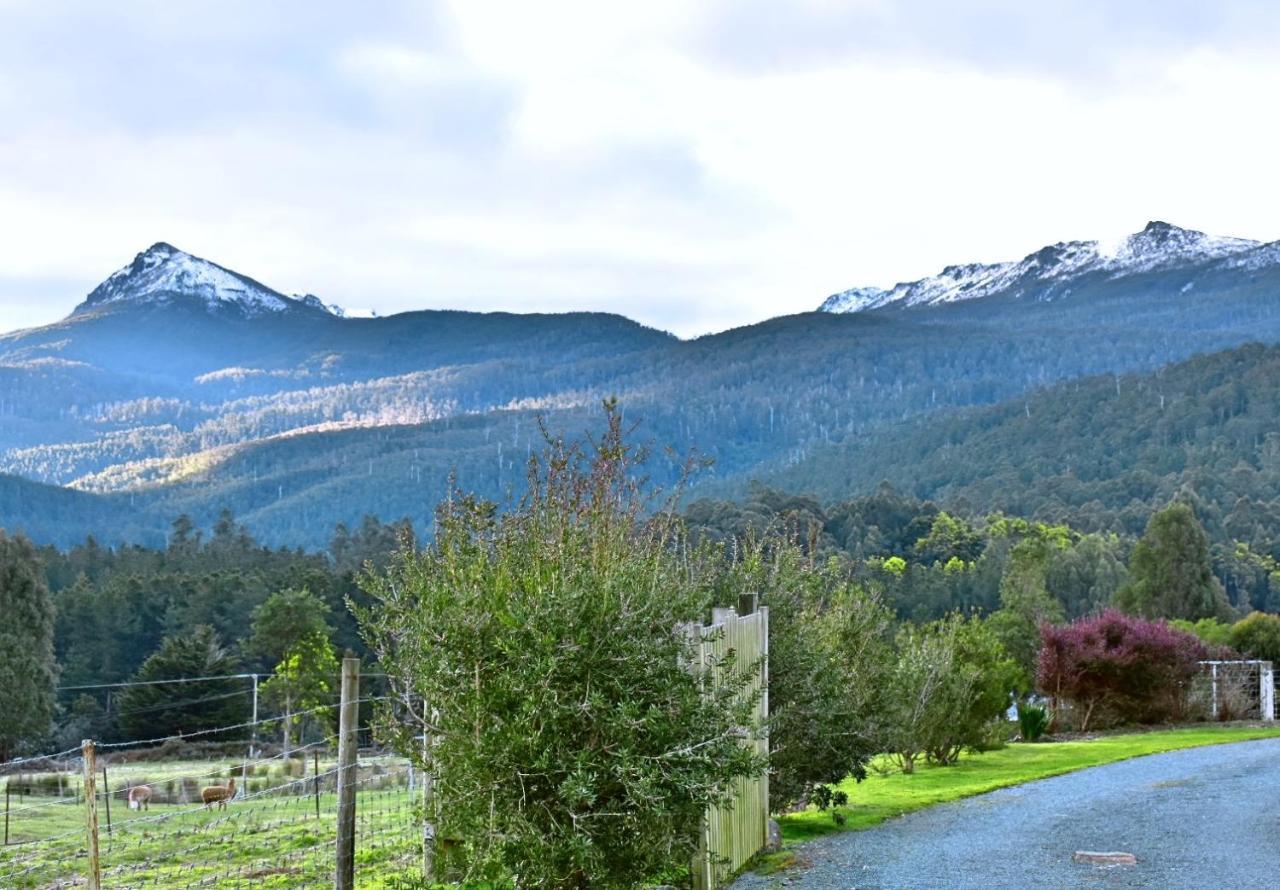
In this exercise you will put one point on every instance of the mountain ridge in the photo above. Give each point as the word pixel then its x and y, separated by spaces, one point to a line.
pixel 1049 271
pixel 297 420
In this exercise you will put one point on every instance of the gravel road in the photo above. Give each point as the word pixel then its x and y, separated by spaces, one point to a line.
pixel 1195 819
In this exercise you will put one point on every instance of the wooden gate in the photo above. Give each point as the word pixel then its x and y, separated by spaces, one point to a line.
pixel 733 833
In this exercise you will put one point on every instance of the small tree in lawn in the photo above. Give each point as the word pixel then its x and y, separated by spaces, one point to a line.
pixel 28 672
pixel 575 748
pixel 951 681
pixel 1132 669
pixel 302 683
pixel 921 680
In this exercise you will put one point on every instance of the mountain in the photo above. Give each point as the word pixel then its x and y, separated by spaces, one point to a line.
pixel 175 390
pixel 1052 271
pixel 1104 452
pixel 162 274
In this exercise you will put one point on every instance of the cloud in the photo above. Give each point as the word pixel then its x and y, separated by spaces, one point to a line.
pixel 1071 39
pixel 692 165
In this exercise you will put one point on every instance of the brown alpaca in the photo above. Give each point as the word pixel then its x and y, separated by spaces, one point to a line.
pixel 140 797
pixel 219 794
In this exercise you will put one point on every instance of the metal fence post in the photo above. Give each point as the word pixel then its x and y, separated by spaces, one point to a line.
pixel 1267 692
pixel 348 722
pixel 91 813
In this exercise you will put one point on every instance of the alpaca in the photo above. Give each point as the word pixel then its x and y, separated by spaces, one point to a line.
pixel 219 794
pixel 140 797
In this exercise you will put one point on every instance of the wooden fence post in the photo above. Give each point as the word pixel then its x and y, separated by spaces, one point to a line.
pixel 8 788
pixel 348 723
pixel 91 813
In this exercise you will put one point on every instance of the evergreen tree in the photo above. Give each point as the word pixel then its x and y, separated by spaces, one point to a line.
pixel 159 709
pixel 1171 572
pixel 28 672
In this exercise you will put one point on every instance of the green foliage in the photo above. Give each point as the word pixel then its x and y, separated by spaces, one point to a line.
pixel 824 797
pixel 1211 630
pixel 829 657
pixel 575 749
pixel 28 672
pixel 1025 604
pixel 951 679
pixel 1258 636
pixel 285 621
pixel 1086 576
pixel 303 681
pixel 949 538
pixel 164 709
pixel 1033 721
pixel 1171 573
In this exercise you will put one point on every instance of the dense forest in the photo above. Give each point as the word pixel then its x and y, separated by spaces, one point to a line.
pixel 208 592
pixel 1101 453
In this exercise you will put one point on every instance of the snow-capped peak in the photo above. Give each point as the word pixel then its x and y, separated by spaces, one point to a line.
pixel 162 273
pixel 316 303
pixel 1157 247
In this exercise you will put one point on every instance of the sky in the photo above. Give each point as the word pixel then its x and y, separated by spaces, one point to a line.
pixel 696 166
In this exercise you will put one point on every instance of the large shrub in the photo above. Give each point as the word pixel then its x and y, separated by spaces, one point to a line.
pixel 573 748
pixel 951 681
pixel 1257 635
pixel 829 658
pixel 1119 667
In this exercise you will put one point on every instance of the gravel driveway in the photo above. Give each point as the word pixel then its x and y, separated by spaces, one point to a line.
pixel 1195 819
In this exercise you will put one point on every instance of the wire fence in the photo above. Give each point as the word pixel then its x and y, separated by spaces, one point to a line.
pixel 103 816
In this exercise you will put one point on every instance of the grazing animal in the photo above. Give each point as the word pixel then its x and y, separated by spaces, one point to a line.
pixel 219 794
pixel 140 797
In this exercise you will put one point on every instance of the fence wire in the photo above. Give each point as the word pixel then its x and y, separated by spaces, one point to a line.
pixel 279 826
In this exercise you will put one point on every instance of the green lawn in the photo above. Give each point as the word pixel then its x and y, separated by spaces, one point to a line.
pixel 885 795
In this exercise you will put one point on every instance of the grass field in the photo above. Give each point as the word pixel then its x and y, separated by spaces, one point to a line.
pixel 281 835
pixel 884 795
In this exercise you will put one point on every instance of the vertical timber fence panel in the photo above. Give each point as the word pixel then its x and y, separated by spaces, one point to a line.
pixel 735 832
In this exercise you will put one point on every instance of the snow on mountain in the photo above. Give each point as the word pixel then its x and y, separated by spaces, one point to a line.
pixel 316 303
pixel 162 272
pixel 1158 247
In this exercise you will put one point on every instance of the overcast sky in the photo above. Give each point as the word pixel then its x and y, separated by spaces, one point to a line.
pixel 694 165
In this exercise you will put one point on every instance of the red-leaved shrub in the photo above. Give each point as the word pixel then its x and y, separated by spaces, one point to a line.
pixel 1130 669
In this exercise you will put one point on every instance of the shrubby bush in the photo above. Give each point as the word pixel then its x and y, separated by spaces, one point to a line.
pixel 1257 635
pixel 573 749
pixel 1033 721
pixel 829 658
pixel 1119 668
pixel 951 681
pixel 1211 630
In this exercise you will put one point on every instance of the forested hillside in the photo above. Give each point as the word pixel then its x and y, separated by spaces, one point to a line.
pixel 1102 452
pixel 296 419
